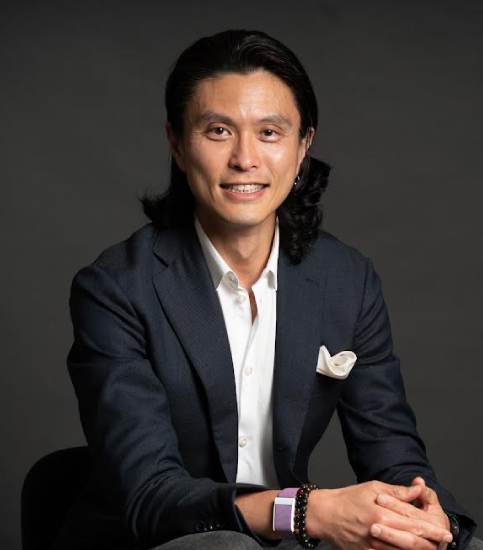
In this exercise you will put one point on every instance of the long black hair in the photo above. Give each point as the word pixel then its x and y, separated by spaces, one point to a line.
pixel 243 51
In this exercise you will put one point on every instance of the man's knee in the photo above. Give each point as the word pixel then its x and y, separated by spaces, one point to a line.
pixel 475 544
pixel 214 540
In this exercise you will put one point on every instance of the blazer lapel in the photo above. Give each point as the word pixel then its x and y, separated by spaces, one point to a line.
pixel 300 300
pixel 188 297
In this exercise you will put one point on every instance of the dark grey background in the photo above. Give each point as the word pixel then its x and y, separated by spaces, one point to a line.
pixel 399 86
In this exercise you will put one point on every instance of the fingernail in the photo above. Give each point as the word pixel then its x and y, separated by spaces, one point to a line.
pixel 383 499
pixel 376 530
pixel 448 538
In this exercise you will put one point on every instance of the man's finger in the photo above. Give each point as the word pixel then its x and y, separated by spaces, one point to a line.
pixel 420 502
pixel 427 494
pixel 419 481
pixel 400 539
pixel 393 517
pixel 403 508
pixel 407 494
pixel 379 545
pixel 399 506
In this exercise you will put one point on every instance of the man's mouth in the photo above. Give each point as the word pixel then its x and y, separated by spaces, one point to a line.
pixel 244 187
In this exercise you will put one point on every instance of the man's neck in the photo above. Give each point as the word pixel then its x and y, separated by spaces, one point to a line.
pixel 246 250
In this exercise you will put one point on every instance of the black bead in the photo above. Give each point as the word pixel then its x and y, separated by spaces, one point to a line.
pixel 301 502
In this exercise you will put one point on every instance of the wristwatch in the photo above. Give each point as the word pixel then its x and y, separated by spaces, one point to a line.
pixel 284 512
pixel 454 527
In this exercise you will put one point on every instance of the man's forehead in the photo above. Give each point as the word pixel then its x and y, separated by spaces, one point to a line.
pixel 260 96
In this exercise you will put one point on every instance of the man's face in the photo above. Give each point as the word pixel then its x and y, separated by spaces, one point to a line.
pixel 240 129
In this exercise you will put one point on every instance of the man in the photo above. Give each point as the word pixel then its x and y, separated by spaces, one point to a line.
pixel 206 346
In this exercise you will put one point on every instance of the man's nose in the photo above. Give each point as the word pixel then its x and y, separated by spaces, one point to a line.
pixel 244 154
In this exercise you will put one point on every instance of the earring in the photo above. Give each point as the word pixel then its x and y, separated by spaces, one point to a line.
pixel 297 179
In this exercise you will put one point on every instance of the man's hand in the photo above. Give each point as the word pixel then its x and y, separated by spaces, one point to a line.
pixel 352 519
pixel 428 510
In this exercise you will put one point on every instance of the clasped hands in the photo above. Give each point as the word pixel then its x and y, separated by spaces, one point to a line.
pixel 379 516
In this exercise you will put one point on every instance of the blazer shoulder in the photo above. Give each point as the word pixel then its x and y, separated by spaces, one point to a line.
pixel 349 271
pixel 127 260
pixel 342 256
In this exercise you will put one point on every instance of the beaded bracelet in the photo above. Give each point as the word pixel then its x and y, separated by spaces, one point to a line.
pixel 301 501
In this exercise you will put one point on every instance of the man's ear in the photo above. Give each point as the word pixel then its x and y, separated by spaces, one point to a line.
pixel 174 146
pixel 306 144
pixel 309 138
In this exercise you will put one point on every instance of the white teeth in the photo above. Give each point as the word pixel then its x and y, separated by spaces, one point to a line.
pixel 245 188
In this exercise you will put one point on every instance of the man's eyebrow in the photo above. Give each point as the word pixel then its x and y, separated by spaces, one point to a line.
pixel 209 116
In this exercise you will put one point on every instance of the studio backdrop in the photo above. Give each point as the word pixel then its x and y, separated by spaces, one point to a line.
pixel 399 86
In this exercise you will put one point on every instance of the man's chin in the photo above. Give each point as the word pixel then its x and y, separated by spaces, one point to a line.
pixel 237 219
pixel 249 222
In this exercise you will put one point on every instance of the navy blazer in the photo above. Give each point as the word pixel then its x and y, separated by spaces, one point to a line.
pixel 152 370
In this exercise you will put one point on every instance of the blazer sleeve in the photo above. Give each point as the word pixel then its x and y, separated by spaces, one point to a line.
pixel 379 426
pixel 125 415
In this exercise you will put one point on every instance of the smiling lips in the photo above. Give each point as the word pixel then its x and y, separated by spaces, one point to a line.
pixel 244 187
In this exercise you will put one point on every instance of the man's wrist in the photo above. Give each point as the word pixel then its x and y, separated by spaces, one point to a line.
pixel 317 513
pixel 256 509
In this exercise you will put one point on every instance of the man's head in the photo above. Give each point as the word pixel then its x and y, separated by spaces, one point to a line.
pixel 241 109
pixel 240 128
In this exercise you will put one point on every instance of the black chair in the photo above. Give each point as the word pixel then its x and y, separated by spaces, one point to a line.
pixel 49 489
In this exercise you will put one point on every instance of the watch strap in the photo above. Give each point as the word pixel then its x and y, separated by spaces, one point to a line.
pixel 284 512
pixel 455 531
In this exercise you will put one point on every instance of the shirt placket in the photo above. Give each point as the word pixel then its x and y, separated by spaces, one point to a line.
pixel 250 388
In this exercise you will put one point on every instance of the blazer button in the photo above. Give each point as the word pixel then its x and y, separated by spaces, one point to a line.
pixel 200 526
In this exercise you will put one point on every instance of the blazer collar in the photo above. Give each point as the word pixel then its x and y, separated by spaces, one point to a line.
pixel 187 294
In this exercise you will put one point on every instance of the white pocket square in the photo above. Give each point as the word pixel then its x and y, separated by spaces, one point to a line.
pixel 335 366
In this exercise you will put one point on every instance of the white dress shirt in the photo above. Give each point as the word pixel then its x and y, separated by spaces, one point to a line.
pixel 252 348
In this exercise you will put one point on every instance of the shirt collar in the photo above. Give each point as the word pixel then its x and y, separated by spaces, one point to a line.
pixel 219 268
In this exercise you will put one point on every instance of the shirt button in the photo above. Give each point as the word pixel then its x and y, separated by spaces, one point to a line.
pixel 247 371
pixel 242 441
pixel 240 299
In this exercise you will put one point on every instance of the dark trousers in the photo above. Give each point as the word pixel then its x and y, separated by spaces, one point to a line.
pixel 230 540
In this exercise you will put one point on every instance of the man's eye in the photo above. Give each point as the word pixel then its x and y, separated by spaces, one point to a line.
pixel 270 132
pixel 217 131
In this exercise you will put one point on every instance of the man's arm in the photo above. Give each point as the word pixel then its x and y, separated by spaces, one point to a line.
pixel 125 415
pixel 378 424
pixel 383 444
pixel 345 516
